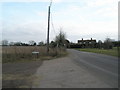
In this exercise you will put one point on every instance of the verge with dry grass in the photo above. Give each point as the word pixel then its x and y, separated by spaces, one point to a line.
pixel 11 54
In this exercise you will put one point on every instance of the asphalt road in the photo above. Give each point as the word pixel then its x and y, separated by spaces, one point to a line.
pixel 102 66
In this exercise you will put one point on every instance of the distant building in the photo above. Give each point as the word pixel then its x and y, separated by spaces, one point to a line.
pixel 87 43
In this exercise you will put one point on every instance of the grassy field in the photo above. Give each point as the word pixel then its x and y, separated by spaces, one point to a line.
pixel 111 52
pixel 24 53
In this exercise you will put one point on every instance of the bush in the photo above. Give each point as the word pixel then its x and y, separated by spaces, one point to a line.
pixel 75 46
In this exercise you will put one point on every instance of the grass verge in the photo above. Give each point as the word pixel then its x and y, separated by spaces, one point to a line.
pixel 111 52
pixel 13 54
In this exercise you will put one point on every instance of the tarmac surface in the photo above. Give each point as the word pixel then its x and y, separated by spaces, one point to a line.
pixel 78 70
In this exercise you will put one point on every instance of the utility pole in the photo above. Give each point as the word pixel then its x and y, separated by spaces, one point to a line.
pixel 48 27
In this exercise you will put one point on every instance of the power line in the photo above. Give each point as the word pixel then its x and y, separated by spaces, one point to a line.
pixel 52 19
pixel 51 3
pixel 52 24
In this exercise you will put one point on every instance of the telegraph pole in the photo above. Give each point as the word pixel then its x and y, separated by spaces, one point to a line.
pixel 48 27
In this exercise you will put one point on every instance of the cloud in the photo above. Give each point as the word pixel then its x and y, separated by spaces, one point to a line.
pixel 113 12
pixel 41 14
pixel 88 21
pixel 98 3
pixel 90 2
pixel 25 32
pixel 56 1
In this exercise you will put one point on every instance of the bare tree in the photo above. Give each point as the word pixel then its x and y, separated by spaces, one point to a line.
pixel 99 44
pixel 18 43
pixel 60 39
pixel 4 42
pixel 32 43
pixel 41 43
pixel 108 43
pixel 11 43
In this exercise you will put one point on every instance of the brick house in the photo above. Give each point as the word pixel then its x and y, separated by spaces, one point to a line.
pixel 87 43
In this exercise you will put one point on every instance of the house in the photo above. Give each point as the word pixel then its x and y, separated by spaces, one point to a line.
pixel 87 43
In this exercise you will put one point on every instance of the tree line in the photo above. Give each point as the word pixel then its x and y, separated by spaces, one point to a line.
pixel 30 43
pixel 106 44
pixel 61 41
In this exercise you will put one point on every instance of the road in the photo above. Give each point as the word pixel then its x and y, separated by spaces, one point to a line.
pixel 103 66
pixel 78 70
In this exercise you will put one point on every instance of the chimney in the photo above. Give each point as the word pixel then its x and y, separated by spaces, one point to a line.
pixel 82 39
pixel 91 39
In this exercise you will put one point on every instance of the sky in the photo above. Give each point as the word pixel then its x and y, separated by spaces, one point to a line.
pixel 27 20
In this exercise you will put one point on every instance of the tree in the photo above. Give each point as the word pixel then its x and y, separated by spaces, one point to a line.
pixel 99 44
pixel 53 44
pixel 11 43
pixel 4 42
pixel 32 43
pixel 67 43
pixel 60 39
pixel 108 43
pixel 41 43
pixel 18 44
pixel 24 44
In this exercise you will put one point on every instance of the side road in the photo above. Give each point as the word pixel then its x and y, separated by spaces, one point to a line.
pixel 63 73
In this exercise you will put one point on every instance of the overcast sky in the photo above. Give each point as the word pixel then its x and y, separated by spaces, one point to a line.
pixel 25 21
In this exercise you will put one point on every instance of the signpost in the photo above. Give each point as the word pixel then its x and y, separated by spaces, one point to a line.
pixel 35 53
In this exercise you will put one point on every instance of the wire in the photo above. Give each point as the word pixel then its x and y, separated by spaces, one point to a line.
pixel 51 3
pixel 52 24
pixel 52 19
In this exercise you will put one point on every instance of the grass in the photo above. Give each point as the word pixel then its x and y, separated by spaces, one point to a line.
pixel 111 52
pixel 11 54
pixel 19 75
pixel 19 80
